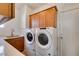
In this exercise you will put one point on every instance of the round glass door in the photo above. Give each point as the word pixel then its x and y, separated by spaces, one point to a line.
pixel 29 36
pixel 43 39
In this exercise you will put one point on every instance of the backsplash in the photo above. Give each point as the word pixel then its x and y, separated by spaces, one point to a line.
pixel 8 26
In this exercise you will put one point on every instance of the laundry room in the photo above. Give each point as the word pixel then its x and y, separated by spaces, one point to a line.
pixel 39 29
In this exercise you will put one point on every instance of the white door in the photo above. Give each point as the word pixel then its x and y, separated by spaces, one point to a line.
pixel 68 32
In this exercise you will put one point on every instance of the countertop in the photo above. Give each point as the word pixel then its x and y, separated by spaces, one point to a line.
pixel 9 37
pixel 11 51
pixel 7 49
pixel 1 47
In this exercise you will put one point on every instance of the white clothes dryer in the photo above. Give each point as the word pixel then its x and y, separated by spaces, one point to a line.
pixel 45 45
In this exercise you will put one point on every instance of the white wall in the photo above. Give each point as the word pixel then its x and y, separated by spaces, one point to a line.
pixel 22 15
pixel 28 12
pixel 62 7
pixel 43 7
pixel 8 26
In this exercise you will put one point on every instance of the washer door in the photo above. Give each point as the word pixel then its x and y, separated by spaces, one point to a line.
pixel 29 37
pixel 44 39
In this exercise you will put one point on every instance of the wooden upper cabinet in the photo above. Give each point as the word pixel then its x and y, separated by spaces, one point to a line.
pixel 34 21
pixel 7 9
pixel 13 10
pixel 51 17
pixel 42 19
pixel 45 18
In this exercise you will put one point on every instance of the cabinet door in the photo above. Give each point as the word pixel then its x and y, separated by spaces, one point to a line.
pixel 11 41
pixel 30 21
pixel 13 10
pixel 5 9
pixel 51 17
pixel 19 44
pixel 42 19
pixel 34 21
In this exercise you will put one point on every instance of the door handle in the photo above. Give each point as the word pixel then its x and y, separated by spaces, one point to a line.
pixel 33 49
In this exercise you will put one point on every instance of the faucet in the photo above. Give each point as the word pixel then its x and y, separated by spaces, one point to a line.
pixel 12 31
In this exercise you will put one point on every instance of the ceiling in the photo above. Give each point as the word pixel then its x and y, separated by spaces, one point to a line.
pixel 35 5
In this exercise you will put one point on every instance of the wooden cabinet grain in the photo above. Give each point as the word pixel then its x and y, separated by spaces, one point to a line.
pixel 7 9
pixel 43 19
pixel 13 10
pixel 51 17
pixel 18 43
pixel 34 20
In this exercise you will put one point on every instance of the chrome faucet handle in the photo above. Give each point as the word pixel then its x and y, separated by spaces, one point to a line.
pixel 12 30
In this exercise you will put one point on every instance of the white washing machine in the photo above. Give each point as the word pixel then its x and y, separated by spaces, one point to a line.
pixel 30 42
pixel 46 42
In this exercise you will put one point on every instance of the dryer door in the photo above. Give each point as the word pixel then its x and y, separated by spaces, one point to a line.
pixel 44 39
pixel 29 37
